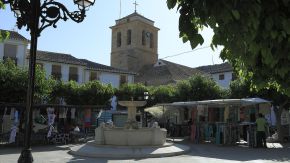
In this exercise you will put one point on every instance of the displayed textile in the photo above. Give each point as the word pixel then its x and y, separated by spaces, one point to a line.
pixel 13 134
pixel 87 117
pixel 200 110
pixel 285 117
pixel 16 117
pixel 14 127
pixel 113 103
pixel 226 113
pixel 73 113
pixel 12 113
pixel 51 118
pixel 62 112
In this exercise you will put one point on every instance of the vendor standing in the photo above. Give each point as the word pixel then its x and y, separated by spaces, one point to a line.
pixel 261 131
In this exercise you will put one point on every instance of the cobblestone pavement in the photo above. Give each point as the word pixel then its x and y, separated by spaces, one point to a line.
pixel 200 153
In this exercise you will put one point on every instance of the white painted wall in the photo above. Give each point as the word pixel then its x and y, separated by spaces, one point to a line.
pixel 21 55
pixel 47 68
pixel 110 78
pixel 223 83
pixel 64 70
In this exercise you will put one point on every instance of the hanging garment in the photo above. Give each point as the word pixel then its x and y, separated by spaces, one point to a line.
pixel 12 113
pixel 51 118
pixel 87 118
pixel 114 103
pixel 62 112
pixel 16 117
pixel 13 134
pixel 226 113
pixel 73 113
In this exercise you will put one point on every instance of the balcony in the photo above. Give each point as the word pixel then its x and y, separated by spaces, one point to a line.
pixel 13 59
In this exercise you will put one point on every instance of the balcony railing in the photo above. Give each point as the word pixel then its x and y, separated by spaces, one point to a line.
pixel 14 59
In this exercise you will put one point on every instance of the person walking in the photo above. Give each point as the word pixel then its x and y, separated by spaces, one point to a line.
pixel 261 131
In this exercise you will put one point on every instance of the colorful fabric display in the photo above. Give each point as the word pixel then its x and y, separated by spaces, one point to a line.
pixel 62 112
pixel 14 127
pixel 73 113
pixel 51 118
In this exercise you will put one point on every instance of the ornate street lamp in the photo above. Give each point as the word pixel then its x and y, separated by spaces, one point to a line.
pixel 36 16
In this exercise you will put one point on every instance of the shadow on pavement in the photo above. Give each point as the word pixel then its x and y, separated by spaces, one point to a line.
pixel 236 153
pixel 15 150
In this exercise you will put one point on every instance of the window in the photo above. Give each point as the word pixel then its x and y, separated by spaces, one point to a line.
pixel 151 40
pixel 119 40
pixel 10 52
pixel 73 74
pixel 143 38
pixel 56 72
pixel 123 79
pixel 221 77
pixel 129 33
pixel 94 76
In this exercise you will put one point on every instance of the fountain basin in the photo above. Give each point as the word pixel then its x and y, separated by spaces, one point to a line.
pixel 130 137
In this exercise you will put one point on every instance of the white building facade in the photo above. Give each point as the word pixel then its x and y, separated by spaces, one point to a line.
pixel 61 66
pixel 222 74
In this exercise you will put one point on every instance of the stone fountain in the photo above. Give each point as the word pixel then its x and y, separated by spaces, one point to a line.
pixel 131 141
pixel 130 134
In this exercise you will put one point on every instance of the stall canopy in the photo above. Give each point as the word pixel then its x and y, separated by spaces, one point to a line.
pixel 210 103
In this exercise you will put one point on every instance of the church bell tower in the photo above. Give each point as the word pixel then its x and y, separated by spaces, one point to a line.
pixel 134 42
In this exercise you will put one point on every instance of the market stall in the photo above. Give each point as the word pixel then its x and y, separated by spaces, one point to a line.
pixel 222 121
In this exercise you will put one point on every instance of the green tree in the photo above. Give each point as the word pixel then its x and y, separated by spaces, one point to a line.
pixel 162 94
pixel 135 91
pixel 14 81
pixel 240 89
pixel 254 33
pixel 281 102
pixel 96 93
pixel 198 88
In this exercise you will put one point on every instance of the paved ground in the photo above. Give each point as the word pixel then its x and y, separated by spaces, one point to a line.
pixel 200 153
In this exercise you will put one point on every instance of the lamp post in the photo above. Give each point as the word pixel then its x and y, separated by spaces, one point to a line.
pixel 37 16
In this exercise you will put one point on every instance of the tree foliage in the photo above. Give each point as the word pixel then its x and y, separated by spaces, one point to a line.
pixel 255 35
pixel 163 94
pixel 90 93
pixel 198 88
pixel 14 83
pixel 135 91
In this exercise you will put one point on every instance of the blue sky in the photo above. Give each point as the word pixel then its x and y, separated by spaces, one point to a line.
pixel 91 39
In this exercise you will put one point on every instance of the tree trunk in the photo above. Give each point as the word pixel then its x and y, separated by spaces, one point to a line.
pixel 278 113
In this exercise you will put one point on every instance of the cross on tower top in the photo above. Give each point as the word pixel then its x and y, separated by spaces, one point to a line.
pixel 135 3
